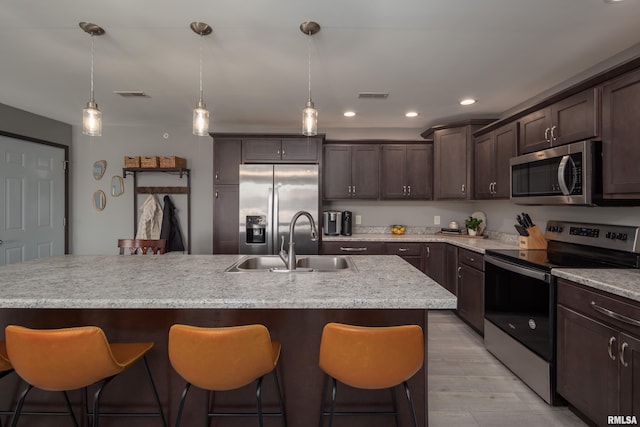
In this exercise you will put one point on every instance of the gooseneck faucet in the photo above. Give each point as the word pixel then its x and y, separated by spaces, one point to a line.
pixel 290 258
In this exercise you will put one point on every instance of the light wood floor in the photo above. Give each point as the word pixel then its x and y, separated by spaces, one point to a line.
pixel 469 387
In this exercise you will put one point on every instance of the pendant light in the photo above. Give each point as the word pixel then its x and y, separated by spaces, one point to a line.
pixel 91 115
pixel 200 113
pixel 309 113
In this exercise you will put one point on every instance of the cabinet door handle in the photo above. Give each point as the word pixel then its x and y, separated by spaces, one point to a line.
pixel 409 189
pixel 354 189
pixel 350 249
pixel 462 188
pixel 614 315
pixel 349 190
pixel 553 137
pixel 217 175
pixel 623 347
pixel 216 194
pixel 404 190
pixel 403 250
pixel 278 151
pixel 428 251
pixel 459 272
pixel 610 348
pixel 546 135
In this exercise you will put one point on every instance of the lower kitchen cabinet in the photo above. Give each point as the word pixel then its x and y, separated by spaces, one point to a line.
pixel 352 248
pixel 471 288
pixel 435 261
pixel 410 252
pixel 451 276
pixel 598 351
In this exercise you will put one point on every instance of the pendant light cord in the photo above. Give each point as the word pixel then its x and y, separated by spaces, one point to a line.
pixel 309 65
pixel 200 68
pixel 92 99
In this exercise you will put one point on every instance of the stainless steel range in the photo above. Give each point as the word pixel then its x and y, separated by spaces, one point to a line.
pixel 520 294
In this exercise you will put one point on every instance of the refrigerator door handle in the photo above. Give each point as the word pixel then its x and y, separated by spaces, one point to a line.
pixel 270 228
pixel 275 219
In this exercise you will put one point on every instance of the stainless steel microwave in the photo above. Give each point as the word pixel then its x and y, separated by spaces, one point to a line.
pixel 564 175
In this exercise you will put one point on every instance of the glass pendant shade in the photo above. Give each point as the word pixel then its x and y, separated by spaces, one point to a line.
pixel 92 120
pixel 201 120
pixel 309 120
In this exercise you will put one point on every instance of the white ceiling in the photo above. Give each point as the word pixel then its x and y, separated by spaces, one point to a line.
pixel 427 54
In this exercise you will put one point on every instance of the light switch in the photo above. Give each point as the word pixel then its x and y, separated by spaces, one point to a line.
pixel 358 219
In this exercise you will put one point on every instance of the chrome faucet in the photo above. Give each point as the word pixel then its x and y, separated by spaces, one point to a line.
pixel 290 258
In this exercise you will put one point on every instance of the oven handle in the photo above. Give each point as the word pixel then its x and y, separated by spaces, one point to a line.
pixel 539 275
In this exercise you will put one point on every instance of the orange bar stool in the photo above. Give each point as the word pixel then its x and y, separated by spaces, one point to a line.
pixel 220 359
pixel 70 359
pixel 5 369
pixel 370 358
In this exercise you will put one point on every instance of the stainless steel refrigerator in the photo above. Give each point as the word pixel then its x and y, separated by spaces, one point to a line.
pixel 270 194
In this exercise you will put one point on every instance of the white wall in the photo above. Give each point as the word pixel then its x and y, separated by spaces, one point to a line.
pixel 96 232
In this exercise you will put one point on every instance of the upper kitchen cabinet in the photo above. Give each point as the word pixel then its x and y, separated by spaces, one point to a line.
pixel 226 160
pixel 572 119
pixel 407 171
pixel 351 171
pixel 492 153
pixel 277 150
pixel 620 130
pixel 454 159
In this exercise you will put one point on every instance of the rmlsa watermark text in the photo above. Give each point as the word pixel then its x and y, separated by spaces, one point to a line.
pixel 624 420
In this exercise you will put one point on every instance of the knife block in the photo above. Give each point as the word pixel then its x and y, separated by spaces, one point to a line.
pixel 535 239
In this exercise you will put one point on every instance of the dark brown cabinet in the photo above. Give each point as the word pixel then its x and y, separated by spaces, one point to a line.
pixel 351 171
pixel 226 161
pixel 352 248
pixel 470 290
pixel 435 261
pixel 407 171
pixel 598 352
pixel 492 154
pixel 410 252
pixel 575 118
pixel 620 130
pixel 274 150
pixel 453 164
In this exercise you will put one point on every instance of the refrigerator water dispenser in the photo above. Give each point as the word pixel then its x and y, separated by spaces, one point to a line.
pixel 256 228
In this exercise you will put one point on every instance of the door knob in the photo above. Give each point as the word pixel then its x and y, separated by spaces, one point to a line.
pixel 0 242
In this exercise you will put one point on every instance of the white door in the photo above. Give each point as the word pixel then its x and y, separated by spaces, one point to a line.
pixel 32 200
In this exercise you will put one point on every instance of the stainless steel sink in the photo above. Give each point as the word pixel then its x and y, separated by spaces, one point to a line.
pixel 305 263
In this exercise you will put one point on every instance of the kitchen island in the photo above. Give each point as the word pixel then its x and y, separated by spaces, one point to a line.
pixel 139 298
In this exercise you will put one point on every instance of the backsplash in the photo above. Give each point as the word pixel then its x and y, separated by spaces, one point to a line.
pixel 507 238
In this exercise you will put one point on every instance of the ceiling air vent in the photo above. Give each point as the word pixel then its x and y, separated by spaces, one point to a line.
pixel 131 93
pixel 373 95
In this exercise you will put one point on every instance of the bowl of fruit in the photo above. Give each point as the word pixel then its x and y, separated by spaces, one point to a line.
pixel 398 229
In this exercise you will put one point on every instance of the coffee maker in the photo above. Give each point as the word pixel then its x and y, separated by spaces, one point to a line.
pixel 347 217
pixel 332 221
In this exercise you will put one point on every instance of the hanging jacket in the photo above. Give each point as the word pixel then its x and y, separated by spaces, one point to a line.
pixel 150 219
pixel 171 227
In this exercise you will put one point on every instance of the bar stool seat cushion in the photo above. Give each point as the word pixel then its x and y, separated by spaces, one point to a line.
pixel 76 357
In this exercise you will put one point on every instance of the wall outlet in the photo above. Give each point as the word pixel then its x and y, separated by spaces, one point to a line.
pixel 358 219
pixel 436 220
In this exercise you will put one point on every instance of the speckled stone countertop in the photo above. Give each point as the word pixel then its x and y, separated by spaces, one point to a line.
pixel 474 244
pixel 621 282
pixel 199 281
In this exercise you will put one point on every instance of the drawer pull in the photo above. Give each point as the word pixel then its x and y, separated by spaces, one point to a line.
pixel 403 250
pixel 350 249
pixel 622 349
pixel 614 315
pixel 610 348
pixel 471 259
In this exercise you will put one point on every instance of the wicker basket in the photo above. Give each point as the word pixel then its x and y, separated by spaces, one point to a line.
pixel 149 162
pixel 173 162
pixel 132 162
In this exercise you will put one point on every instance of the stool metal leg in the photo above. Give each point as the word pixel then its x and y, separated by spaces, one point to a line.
pixel 334 393
pixel 96 401
pixel 207 409
pixel 413 412
pixel 284 416
pixel 259 398
pixel 181 407
pixel 394 396
pixel 16 414
pixel 324 399
pixel 155 391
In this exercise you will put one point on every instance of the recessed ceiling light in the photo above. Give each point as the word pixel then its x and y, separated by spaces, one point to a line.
pixel 468 101
pixel 349 113
pixel 411 114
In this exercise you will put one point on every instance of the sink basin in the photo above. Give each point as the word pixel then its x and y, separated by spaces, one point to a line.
pixel 305 263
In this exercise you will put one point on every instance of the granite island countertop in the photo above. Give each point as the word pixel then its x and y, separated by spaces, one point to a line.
pixel 199 281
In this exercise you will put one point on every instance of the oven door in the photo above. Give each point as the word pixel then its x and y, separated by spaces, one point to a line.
pixel 521 302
